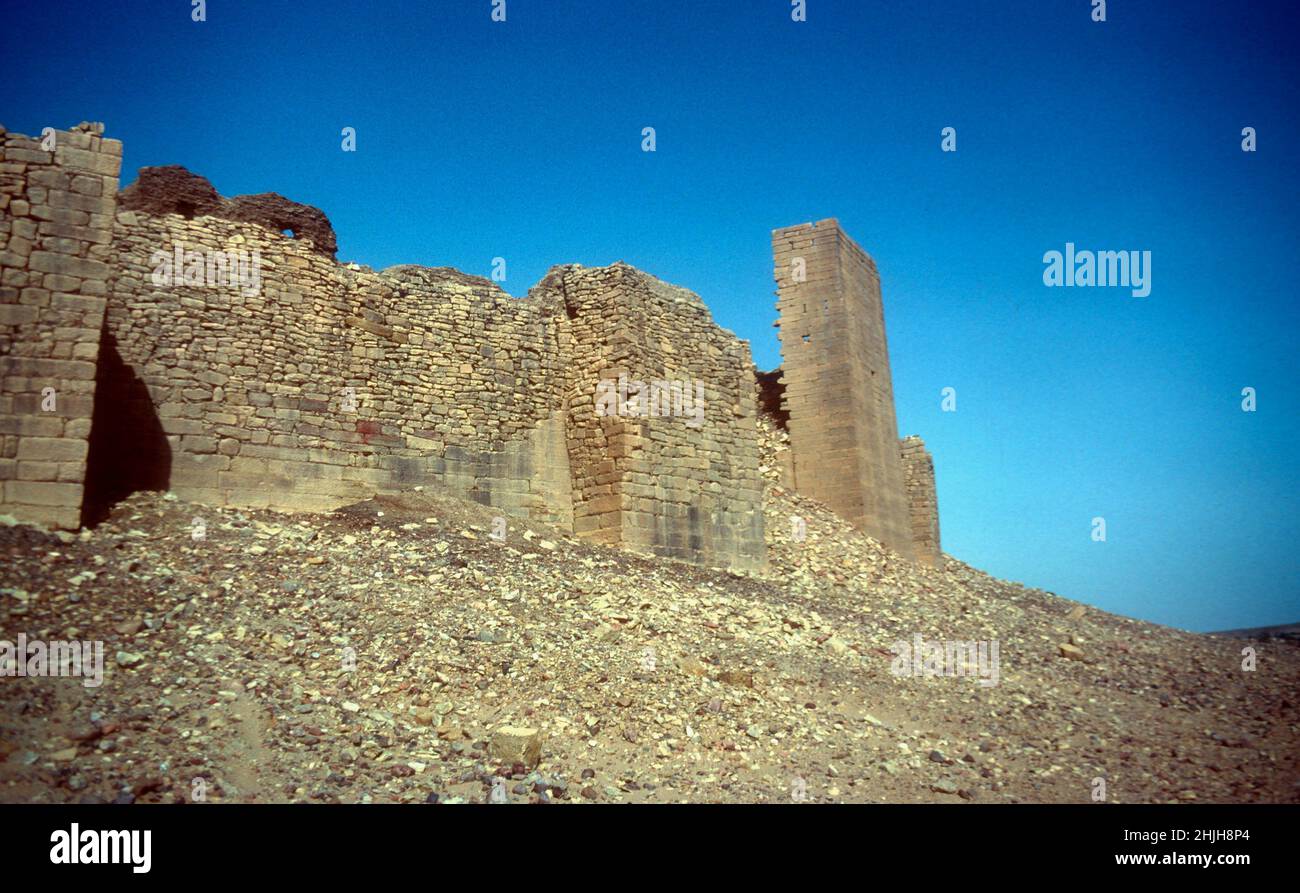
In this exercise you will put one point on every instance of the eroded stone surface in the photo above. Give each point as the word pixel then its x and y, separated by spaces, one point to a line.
pixel 838 389
pixel 171 189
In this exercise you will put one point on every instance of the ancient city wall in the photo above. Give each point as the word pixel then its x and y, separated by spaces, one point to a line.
pixel 56 223
pixel 312 384
pixel 838 388
pixel 923 501
pixel 166 337
pixel 331 383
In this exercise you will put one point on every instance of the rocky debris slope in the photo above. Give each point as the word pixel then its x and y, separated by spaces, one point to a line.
pixel 396 651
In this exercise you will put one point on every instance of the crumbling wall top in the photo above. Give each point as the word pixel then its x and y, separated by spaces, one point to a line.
pixel 171 189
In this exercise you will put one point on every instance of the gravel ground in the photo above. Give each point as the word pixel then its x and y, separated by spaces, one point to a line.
pixel 395 651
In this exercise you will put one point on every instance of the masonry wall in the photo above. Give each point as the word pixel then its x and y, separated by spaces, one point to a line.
pixel 838 388
pixel 671 484
pixel 457 385
pixel 923 501
pixel 324 383
pixel 333 382
pixel 56 256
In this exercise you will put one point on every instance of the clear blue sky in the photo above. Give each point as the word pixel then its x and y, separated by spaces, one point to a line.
pixel 523 140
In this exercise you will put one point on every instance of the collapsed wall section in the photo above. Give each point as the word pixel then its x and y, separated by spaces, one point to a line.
pixel 838 387
pixel 56 257
pixel 923 501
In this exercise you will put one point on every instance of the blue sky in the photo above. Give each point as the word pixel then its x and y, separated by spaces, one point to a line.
pixel 523 140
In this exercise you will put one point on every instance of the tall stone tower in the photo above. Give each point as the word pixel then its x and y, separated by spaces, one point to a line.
pixel 838 390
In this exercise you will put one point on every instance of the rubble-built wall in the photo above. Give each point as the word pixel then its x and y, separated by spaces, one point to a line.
pixel 838 388
pixel 923 501
pixel 330 383
pixel 214 347
pixel 56 262
pixel 307 384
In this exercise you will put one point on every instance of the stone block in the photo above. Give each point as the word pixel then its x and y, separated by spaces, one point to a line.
pixel 50 516
pixel 516 744
pixel 17 314
pixel 43 494
pixel 59 264
pixel 52 449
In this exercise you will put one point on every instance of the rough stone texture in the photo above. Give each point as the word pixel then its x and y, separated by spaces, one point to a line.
pixel 658 484
pixel 838 389
pixel 923 501
pixel 457 385
pixel 770 395
pixel 466 635
pixel 511 745
pixel 329 383
pixel 276 212
pixel 172 189
pixel 56 223
pixel 334 382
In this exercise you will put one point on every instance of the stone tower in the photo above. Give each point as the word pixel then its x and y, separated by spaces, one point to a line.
pixel 838 390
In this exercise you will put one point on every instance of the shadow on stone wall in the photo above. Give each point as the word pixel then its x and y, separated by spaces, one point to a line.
pixel 128 449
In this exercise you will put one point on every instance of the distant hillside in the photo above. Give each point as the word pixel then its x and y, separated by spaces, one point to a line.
pixel 1283 631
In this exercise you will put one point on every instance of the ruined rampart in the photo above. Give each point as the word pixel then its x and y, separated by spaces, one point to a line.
pixel 166 337
pixel 239 364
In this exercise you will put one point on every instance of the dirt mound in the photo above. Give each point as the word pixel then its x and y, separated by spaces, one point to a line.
pixel 374 653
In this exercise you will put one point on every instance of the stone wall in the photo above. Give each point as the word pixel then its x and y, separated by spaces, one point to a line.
pixel 838 388
pixel 56 260
pixel 673 484
pixel 333 382
pixel 172 189
pixel 309 384
pixel 166 337
pixel 923 501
